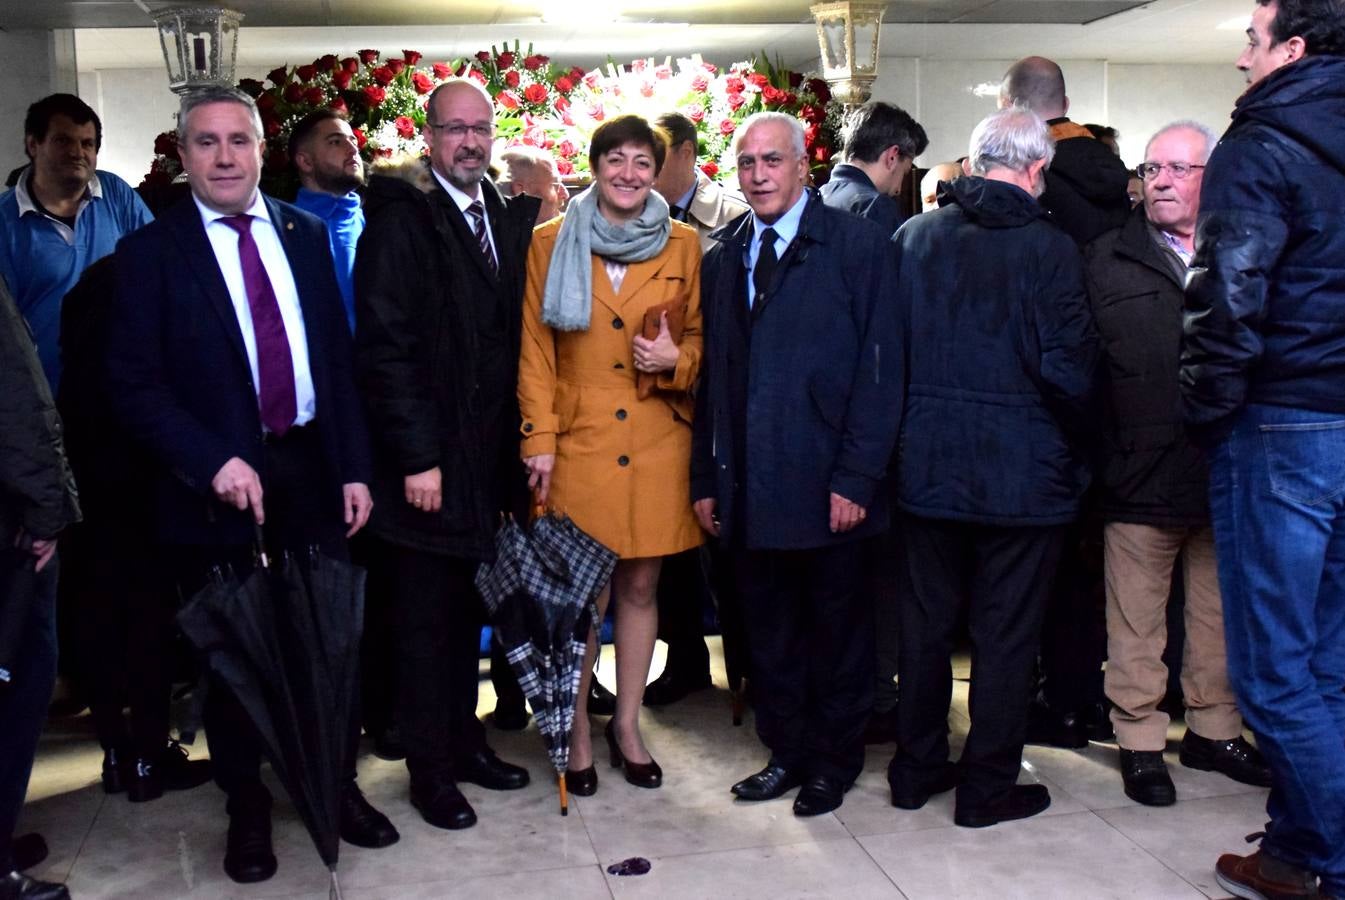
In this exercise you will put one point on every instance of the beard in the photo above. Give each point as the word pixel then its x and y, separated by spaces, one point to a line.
pixel 339 181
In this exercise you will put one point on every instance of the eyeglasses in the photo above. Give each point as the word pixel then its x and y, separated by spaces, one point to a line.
pixel 458 130
pixel 1179 170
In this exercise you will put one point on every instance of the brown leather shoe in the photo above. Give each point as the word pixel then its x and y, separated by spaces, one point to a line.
pixel 1261 877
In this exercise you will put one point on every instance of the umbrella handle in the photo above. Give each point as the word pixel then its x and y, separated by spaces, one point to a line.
pixel 334 892
pixel 564 798
pixel 259 544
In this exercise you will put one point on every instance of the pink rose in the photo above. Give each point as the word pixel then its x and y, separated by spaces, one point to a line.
pixel 727 127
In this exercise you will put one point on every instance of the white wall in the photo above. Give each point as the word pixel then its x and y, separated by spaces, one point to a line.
pixel 1145 98
pixel 28 55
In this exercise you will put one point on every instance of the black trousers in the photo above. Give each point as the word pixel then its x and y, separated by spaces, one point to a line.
pixel 1003 575
pixel 682 592
pixel 886 583
pixel 378 651
pixel 810 637
pixel 1074 633
pixel 439 617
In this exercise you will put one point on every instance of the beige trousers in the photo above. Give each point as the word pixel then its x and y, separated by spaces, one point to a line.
pixel 1138 568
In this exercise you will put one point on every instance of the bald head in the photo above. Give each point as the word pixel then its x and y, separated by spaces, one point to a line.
pixel 929 185
pixel 1037 83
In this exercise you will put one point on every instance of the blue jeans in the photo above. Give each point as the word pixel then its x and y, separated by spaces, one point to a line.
pixel 1277 494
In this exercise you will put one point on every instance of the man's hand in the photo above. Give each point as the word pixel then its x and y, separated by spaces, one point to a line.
pixel 425 490
pixel 539 474
pixel 705 514
pixel 42 549
pixel 358 506
pixel 237 484
pixel 845 515
pixel 660 354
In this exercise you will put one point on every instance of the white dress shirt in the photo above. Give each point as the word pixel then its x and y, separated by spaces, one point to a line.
pixel 465 201
pixel 786 227
pixel 224 240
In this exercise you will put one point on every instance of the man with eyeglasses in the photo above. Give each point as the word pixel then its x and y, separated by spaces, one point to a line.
pixel 439 290
pixel 1152 486
pixel 1263 387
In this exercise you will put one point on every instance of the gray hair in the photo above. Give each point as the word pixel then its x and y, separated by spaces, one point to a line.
pixel 1012 138
pixel 761 118
pixel 216 94
pixel 1188 125
pixel 523 158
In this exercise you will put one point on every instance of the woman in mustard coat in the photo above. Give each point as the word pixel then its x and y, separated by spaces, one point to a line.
pixel 617 464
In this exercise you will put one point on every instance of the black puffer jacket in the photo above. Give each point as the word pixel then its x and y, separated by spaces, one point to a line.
pixel 434 396
pixel 1150 472
pixel 1085 185
pixel 1000 358
pixel 1265 309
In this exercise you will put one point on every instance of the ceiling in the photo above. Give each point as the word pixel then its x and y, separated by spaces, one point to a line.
pixel 116 33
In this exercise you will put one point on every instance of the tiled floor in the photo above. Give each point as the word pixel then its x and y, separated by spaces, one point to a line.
pixel 1092 842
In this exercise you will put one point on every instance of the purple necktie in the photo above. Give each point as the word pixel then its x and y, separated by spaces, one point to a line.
pixel 275 365
pixel 478 213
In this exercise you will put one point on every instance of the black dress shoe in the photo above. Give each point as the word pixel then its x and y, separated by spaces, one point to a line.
pixel 1053 728
pixel 819 794
pixel 1146 778
pixel 248 856
pixel 1095 720
pixel 1237 759
pixel 644 775
pixel 582 782
pixel 771 782
pixel 670 687
pixel 1019 802
pixel 17 886
pixel 489 771
pixel 442 805
pixel 388 744
pixel 913 796
pixel 601 702
pixel 882 727
pixel 27 850
pixel 114 770
pixel 361 824
pixel 511 718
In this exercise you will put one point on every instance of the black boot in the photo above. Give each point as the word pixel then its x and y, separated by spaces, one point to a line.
pixel 1146 778
pixel 17 886
pixel 248 855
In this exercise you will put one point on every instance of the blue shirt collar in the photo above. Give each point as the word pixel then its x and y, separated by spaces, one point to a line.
pixel 327 206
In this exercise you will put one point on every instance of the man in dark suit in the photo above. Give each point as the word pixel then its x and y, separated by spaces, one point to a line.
pixel 438 293
pixel 229 360
pixel 794 392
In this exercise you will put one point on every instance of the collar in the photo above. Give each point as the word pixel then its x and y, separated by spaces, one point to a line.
pixel 94 191
pixel 1173 243
pixel 852 172
pixel 461 199
pixel 324 205
pixel 787 226
pixel 257 210
pixel 685 200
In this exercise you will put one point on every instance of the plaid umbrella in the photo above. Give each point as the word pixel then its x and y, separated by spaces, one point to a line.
pixel 540 592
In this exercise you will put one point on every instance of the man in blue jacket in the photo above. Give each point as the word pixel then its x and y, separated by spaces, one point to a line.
pixel 881 144
pixel 796 416
pixel 1000 357
pixel 1263 383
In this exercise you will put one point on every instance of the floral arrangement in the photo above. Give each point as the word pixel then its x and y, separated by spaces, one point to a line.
pixel 537 102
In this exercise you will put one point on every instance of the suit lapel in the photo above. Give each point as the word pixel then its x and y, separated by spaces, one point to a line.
pixel 188 230
pixel 637 275
pixel 602 285
pixel 457 221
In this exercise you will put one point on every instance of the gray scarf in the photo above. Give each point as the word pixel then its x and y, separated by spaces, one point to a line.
pixel 567 300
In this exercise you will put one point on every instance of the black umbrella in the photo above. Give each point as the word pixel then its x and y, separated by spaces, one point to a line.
pixel 286 641
pixel 540 592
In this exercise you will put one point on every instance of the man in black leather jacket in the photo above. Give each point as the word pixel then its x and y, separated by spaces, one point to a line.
pixel 1263 382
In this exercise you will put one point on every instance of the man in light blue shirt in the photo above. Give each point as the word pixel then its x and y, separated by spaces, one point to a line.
pixel 62 216
pixel 327 157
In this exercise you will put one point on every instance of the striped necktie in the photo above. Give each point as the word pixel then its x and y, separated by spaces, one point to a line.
pixel 478 213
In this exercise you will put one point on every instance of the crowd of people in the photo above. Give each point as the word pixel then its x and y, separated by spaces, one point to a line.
pixel 1067 422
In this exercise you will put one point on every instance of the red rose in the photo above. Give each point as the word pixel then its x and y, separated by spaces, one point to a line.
pixel 535 93
pixel 535 136
pixel 463 69
pixel 727 127
pixel 534 62
pixel 576 74
pixel 278 75
pixel 505 59
pixel 406 128
pixel 270 127
pixel 368 56
pixel 293 93
pixel 758 79
pixel 315 96
pixel 638 65
pixel 339 106
pixel 252 87
pixel 564 167
pixel 306 73
pixel 596 112
pixel 700 82
pixel 507 99
pixel 476 76
pixel 814 114
pixel 591 79
pixel 360 138
pixel 375 95
pixel 709 168
pixel 511 79
pixel 734 85
pixel 646 89
pixel 820 89
pixel 567 149
pixel 266 102
pixel 791 98
pixel 396 65
pixel 411 56
pixel 383 75
pixel 663 73
pixel 564 84
pixel 561 104
pixel 441 70
pixel 341 78
pixel 350 64
pixel 483 56
pixel 710 67
pixel 695 113
pixel 772 95
pixel 810 132
pixel 821 153
pixel 736 101
pixel 384 152
pixel 326 63
pixel 422 82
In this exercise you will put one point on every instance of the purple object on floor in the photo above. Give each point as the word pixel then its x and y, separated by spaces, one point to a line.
pixel 636 865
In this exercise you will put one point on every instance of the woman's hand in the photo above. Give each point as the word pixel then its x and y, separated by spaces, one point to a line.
pixel 539 474
pixel 660 354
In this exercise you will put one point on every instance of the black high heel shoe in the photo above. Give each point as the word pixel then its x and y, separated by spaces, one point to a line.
pixel 582 782
pixel 645 775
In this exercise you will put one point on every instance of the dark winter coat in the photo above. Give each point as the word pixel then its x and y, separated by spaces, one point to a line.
pixel 1150 472
pixel 800 397
pixel 1265 320
pixel 435 396
pixel 1085 184
pixel 1001 354
pixel 850 189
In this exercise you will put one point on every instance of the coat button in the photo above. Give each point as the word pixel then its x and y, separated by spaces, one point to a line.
pixel 618 365
pixel 527 426
pixel 623 460
pixel 621 415
pixel 618 324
